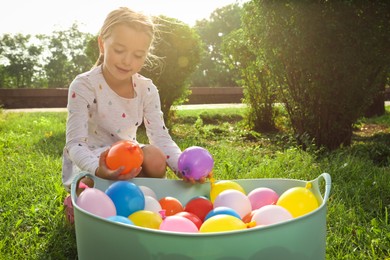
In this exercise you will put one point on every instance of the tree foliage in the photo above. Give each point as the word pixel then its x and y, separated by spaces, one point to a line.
pixel 18 60
pixel 43 60
pixel 328 57
pixel 67 56
pixel 92 49
pixel 213 71
pixel 178 46
pixel 256 80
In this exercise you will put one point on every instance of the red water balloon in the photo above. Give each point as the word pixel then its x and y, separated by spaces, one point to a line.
pixel 194 218
pixel 199 206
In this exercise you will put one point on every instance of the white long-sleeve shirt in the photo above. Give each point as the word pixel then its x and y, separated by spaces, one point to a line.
pixel 98 117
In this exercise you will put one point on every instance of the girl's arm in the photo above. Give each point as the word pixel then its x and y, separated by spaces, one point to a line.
pixel 80 97
pixel 156 130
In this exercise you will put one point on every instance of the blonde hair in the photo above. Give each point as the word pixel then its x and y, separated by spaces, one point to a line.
pixel 135 20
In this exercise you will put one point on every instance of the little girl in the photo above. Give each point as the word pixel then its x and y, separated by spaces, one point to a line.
pixel 109 103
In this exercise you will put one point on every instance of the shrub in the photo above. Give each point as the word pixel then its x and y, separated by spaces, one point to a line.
pixel 328 57
pixel 259 90
pixel 179 47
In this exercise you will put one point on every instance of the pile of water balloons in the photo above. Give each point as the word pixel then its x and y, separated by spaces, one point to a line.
pixel 228 207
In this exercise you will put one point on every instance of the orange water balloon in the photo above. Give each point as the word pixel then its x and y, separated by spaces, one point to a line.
pixel 171 205
pixel 124 153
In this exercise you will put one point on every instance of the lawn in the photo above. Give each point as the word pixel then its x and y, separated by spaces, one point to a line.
pixel 32 222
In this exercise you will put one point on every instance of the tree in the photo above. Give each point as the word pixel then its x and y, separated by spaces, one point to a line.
pixel 67 56
pixel 259 89
pixel 19 60
pixel 213 70
pixel 329 57
pixel 92 49
pixel 377 107
pixel 179 47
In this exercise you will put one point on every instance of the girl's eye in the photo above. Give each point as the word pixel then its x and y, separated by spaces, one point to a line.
pixel 139 56
pixel 118 51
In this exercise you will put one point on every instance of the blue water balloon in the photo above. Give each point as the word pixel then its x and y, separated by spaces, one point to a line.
pixel 222 210
pixel 127 197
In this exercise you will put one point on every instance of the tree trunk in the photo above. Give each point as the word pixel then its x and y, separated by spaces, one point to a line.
pixel 377 107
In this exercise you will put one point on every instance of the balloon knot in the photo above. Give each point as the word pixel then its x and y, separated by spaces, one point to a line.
pixel 185 171
pixel 212 180
pixel 308 185
pixel 251 224
pixel 162 214
pixel 82 185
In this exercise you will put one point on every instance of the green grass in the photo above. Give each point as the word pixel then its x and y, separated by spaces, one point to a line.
pixel 31 194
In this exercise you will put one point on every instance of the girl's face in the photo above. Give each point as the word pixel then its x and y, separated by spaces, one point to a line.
pixel 125 52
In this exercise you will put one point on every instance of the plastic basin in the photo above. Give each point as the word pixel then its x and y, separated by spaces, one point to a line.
pixel 301 238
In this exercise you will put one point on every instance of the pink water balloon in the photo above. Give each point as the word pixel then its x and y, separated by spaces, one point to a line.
pixel 147 191
pixel 235 200
pixel 152 204
pixel 271 214
pixel 262 196
pixel 178 224
pixel 96 202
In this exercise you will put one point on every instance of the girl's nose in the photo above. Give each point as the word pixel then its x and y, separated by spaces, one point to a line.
pixel 127 59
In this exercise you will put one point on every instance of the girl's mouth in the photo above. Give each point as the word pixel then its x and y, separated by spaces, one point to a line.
pixel 125 71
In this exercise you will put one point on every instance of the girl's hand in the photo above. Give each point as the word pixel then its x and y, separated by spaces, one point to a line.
pixel 193 181
pixel 105 173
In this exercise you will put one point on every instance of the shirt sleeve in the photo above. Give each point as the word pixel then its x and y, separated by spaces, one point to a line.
pixel 156 130
pixel 80 98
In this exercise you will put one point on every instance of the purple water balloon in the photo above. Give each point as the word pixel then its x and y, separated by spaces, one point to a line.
pixel 195 162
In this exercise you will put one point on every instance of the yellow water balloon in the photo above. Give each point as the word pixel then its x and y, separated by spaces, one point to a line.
pixel 222 222
pixel 298 200
pixel 219 186
pixel 146 218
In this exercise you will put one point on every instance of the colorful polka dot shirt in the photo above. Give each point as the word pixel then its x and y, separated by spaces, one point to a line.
pixel 98 117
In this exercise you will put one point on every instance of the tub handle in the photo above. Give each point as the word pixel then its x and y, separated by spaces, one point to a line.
pixel 328 183
pixel 75 182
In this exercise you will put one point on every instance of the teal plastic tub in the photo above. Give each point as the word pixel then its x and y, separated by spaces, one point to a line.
pixel 301 238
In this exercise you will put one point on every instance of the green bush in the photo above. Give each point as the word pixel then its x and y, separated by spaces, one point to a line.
pixel 259 90
pixel 328 57
pixel 179 47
